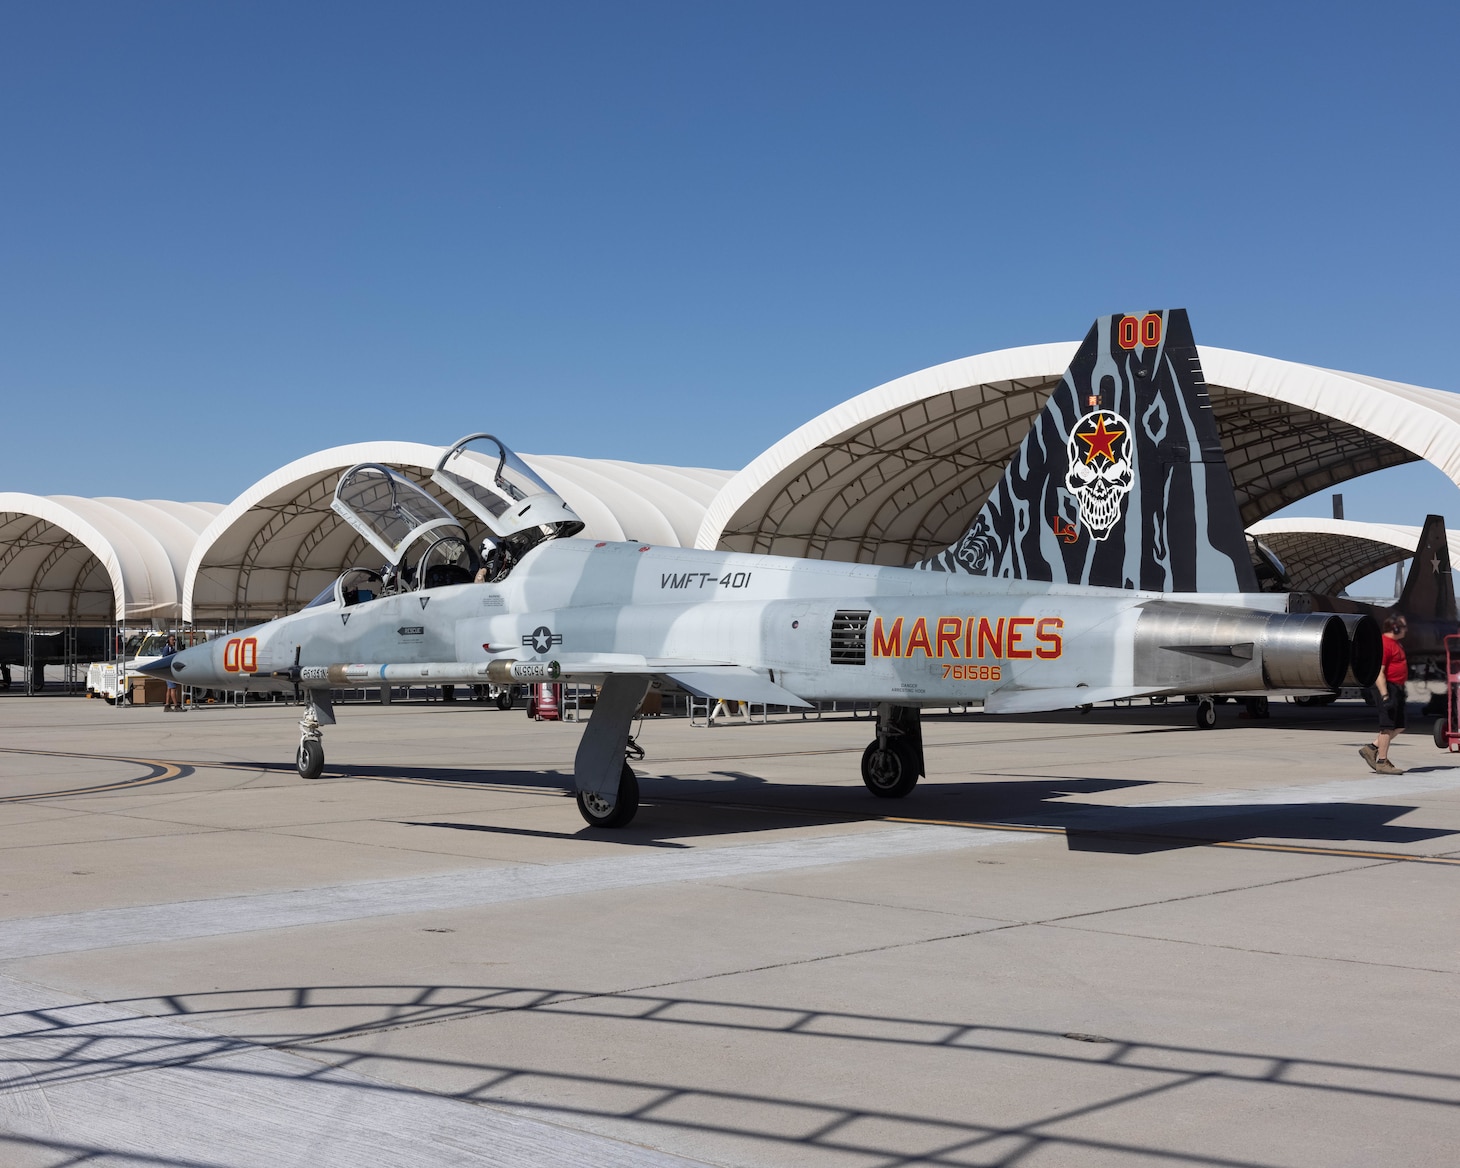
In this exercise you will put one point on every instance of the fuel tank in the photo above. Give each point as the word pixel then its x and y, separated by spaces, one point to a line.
pixel 1205 649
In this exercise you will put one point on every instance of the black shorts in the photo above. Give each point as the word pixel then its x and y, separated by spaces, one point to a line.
pixel 1391 709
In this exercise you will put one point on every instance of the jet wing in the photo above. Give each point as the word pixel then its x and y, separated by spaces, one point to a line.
pixel 1015 700
pixel 704 679
pixel 733 683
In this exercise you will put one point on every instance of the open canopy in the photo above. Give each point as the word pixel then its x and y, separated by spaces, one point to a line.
pixel 389 510
pixel 502 491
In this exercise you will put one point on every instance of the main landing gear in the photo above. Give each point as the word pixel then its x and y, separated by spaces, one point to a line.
pixel 607 788
pixel 616 810
pixel 893 761
pixel 1206 709
pixel 310 756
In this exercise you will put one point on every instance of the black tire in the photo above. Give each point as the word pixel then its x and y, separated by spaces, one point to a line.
pixel 890 772
pixel 310 759
pixel 504 699
pixel 1206 714
pixel 619 811
pixel 1257 708
pixel 1441 739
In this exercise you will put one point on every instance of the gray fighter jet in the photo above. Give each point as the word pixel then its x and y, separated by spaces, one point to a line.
pixel 1109 563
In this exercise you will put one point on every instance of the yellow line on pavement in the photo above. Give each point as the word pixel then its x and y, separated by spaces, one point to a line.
pixel 161 772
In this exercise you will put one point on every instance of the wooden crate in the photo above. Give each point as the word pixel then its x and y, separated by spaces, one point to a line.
pixel 148 691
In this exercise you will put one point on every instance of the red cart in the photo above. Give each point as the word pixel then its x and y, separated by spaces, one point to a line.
pixel 546 702
pixel 1447 729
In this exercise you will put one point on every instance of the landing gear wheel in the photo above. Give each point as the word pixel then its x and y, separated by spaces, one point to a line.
pixel 1257 708
pixel 612 810
pixel 1441 738
pixel 1206 714
pixel 504 699
pixel 310 759
pixel 889 771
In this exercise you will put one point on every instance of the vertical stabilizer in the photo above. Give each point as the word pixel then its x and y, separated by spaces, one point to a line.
pixel 1429 592
pixel 1121 481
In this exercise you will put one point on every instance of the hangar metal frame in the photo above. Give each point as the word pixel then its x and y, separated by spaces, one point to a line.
pixel 1327 555
pixel 95 562
pixel 886 477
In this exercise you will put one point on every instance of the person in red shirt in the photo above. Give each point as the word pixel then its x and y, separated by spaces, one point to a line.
pixel 1393 674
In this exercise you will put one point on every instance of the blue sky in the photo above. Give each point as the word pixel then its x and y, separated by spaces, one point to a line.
pixel 231 234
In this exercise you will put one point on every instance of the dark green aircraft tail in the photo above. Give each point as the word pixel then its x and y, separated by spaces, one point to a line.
pixel 1429 590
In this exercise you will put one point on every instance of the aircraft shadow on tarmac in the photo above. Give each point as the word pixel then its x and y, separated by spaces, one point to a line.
pixel 342 1025
pixel 1136 831
pixel 738 801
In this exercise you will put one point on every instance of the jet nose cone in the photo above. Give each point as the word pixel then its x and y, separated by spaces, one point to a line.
pixel 162 667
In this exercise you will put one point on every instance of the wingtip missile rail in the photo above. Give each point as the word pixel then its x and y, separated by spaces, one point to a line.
pixel 497 672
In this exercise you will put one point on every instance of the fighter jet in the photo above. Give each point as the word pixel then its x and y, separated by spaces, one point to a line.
pixel 1108 563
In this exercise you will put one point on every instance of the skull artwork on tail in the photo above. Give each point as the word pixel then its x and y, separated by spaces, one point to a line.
pixel 1101 470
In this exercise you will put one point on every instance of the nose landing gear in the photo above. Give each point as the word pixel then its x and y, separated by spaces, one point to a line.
pixel 309 759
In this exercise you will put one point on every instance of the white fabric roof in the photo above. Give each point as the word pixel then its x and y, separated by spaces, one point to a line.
pixel 889 476
pixel 1326 555
pixel 897 472
pixel 278 544
pixel 67 560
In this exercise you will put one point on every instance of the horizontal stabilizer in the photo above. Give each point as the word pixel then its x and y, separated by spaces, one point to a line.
pixel 1031 701
pixel 733 683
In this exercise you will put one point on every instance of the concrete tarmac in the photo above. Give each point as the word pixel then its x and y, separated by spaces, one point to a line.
pixel 1106 940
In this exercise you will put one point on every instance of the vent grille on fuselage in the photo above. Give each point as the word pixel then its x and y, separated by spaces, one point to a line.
pixel 849 636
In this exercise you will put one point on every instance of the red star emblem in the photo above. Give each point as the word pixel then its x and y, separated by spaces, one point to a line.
pixel 1099 440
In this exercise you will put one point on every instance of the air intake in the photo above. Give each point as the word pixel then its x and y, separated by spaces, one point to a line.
pixel 849 636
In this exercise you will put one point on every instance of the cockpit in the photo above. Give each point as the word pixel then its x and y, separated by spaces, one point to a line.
pixel 424 545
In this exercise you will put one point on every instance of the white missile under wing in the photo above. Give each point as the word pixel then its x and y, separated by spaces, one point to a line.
pixel 1108 563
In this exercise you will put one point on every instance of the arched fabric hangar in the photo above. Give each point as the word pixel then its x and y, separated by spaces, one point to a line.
pixel 66 560
pixel 277 545
pixel 1327 555
pixel 897 473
